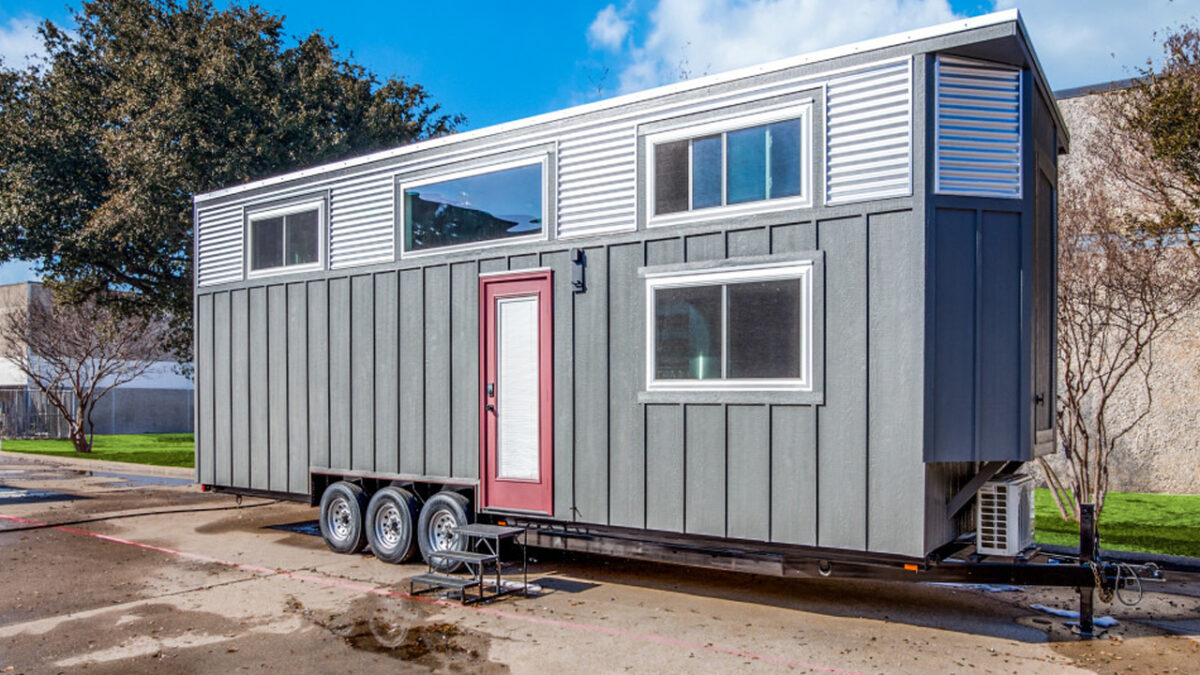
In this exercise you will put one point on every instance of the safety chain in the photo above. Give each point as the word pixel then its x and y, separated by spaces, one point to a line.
pixel 1106 594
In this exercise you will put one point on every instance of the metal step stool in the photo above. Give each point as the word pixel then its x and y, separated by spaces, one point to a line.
pixel 483 542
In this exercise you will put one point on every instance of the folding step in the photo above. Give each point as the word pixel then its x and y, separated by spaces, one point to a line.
pixel 443 581
pixel 465 556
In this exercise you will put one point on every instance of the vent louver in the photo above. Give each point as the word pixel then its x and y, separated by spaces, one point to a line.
pixel 1004 517
pixel 219 245
pixel 978 128
pixel 868 134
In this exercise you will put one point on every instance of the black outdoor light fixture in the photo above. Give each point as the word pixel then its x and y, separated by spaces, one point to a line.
pixel 580 260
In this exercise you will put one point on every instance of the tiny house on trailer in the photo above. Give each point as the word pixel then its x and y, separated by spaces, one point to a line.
pixel 796 312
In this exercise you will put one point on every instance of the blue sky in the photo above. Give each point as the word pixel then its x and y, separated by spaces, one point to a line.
pixel 500 61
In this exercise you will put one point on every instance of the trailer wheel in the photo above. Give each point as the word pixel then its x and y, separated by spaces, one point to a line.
pixel 341 520
pixel 435 529
pixel 391 519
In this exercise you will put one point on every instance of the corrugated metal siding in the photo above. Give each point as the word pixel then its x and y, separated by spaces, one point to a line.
pixel 219 252
pixel 362 221
pixel 978 128
pixel 597 179
pixel 868 134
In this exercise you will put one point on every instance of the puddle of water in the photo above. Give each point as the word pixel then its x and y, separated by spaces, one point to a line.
pixel 131 480
pixel 12 495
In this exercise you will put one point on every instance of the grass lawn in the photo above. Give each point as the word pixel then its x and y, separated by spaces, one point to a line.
pixel 1130 521
pixel 155 449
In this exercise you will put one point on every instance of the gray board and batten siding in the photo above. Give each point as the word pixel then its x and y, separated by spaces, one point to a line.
pixel 370 365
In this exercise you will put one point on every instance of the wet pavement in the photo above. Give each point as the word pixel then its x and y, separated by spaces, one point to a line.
pixel 156 575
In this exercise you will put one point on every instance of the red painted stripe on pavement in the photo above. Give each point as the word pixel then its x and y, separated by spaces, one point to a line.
pixel 492 611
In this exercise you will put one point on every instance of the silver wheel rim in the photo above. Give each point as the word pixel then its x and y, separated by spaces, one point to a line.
pixel 341 518
pixel 388 526
pixel 441 530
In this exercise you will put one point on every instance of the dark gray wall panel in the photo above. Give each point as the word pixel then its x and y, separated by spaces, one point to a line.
pixel 239 309
pixel 754 241
pixel 896 474
pixel 260 413
pixel 704 487
pixel 564 385
pixel 277 397
pixel 318 374
pixel 664 251
pixel 626 346
pixel 437 370
pixel 223 394
pixel 412 371
pixel 664 467
pixel 793 238
pixel 842 422
pixel 362 373
pixel 1000 400
pixel 523 262
pixel 464 389
pixel 699 247
pixel 297 392
pixel 748 440
pixel 339 374
pixel 387 365
pixel 954 336
pixel 205 453
pixel 591 392
pixel 794 474
pixel 491 265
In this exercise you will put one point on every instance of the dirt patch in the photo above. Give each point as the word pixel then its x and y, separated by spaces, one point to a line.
pixel 402 629
pixel 249 519
pixel 1154 654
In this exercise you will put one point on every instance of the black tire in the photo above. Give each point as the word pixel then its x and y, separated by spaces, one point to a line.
pixel 342 508
pixel 443 511
pixel 391 524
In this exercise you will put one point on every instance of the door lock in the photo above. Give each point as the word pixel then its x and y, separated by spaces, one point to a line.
pixel 490 407
pixel 491 389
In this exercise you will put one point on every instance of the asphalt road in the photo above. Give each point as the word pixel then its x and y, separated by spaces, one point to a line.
pixel 184 581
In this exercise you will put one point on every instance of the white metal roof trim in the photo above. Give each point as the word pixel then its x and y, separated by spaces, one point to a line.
pixel 978 128
pixel 868 134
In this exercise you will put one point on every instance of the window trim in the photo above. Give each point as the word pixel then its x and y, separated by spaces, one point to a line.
pixel 801 110
pixel 316 203
pixel 542 159
pixel 800 270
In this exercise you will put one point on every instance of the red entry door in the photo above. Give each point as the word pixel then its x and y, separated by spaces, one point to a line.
pixel 516 396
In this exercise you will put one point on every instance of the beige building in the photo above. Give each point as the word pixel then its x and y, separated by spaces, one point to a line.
pixel 159 401
pixel 1163 453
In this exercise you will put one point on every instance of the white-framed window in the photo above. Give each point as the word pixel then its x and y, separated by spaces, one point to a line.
pixel 743 164
pixel 496 204
pixel 746 328
pixel 286 239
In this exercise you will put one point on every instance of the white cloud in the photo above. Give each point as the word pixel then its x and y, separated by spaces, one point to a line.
pixel 688 38
pixel 1081 42
pixel 608 29
pixel 19 40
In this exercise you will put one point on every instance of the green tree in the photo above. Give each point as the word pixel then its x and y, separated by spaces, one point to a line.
pixel 104 141
pixel 1155 146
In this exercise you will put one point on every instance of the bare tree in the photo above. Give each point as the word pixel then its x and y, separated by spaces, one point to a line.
pixel 76 353
pixel 1121 286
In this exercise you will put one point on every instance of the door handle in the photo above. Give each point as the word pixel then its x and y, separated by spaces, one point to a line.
pixel 490 407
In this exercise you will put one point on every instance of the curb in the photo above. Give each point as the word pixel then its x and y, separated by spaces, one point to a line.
pixel 102 465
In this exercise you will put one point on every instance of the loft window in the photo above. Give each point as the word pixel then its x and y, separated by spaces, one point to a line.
pixel 502 204
pixel 745 161
pixel 286 239
pixel 745 328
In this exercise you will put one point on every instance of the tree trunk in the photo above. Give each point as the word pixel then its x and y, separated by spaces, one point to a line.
pixel 79 435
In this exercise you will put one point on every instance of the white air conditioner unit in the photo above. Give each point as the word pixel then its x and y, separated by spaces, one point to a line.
pixel 1004 517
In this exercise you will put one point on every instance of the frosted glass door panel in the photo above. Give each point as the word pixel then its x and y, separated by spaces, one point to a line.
pixel 517 388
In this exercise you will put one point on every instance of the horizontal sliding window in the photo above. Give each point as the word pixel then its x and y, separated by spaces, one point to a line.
pixel 733 328
pixel 718 167
pixel 470 209
pixel 286 239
